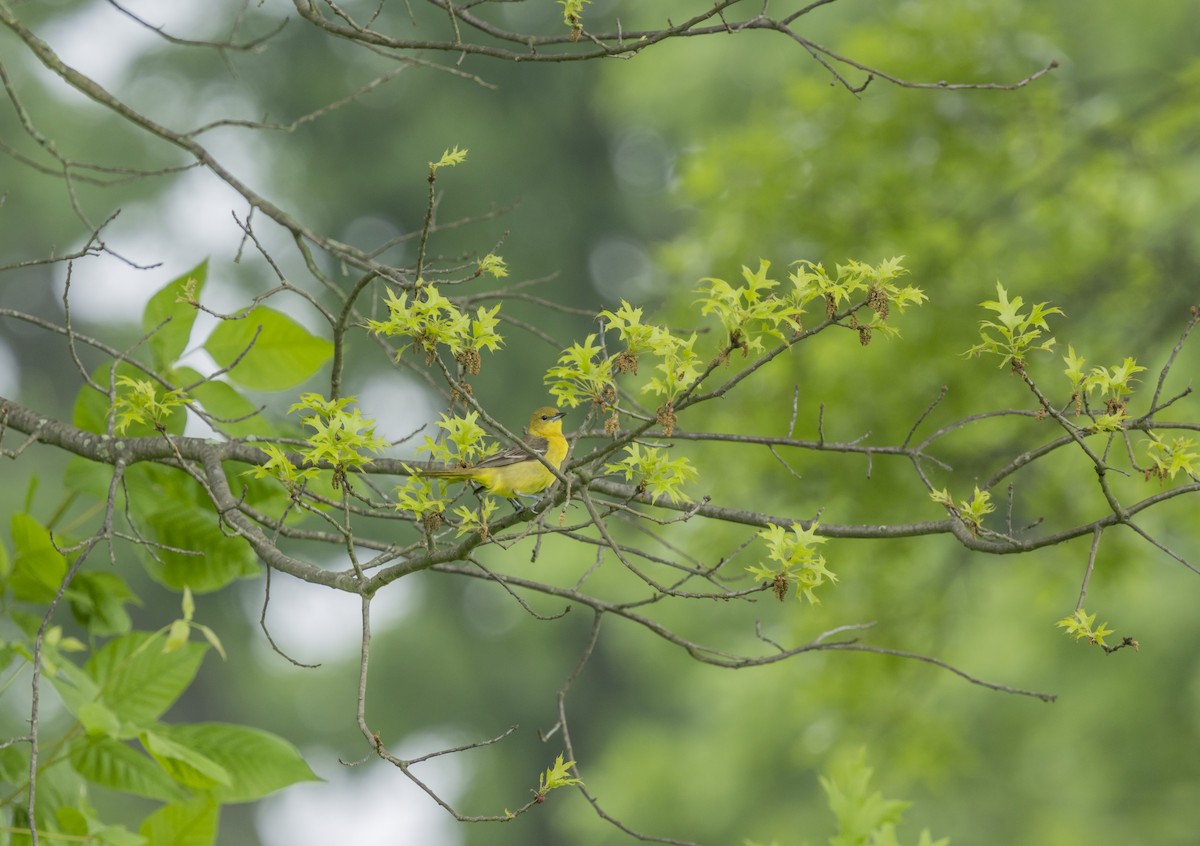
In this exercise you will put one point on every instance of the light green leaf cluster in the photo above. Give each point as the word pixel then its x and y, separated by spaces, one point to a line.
pixel 465 435
pixel 1115 383
pixel 852 280
pixel 677 362
pixel 1114 386
pixel 753 310
pixel 582 374
pixel 797 562
pixel 430 319
pixel 1016 334
pixel 341 437
pixel 145 403
pixel 573 13
pixel 656 474
pixel 472 520
pixel 493 265
pixel 1074 372
pixel 556 776
pixel 449 158
pixel 483 329
pixel 971 511
pixel 279 466
pixel 749 311
pixel 864 817
pixel 1082 626
pixel 677 368
pixel 1167 459
pixel 639 338
pixel 417 496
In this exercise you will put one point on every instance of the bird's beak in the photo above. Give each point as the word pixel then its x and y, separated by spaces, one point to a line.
pixel 559 416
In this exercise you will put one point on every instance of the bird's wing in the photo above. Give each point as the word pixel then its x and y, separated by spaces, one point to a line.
pixel 514 454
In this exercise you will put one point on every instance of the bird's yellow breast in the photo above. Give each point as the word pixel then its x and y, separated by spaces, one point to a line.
pixel 527 477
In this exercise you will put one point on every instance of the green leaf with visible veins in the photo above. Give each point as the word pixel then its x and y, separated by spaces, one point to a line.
pixel 201 556
pixel 276 352
pixel 138 681
pixel 221 399
pixel 191 823
pixel 258 762
pixel 170 310
pixel 119 766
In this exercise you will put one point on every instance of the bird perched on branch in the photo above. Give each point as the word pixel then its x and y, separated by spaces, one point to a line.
pixel 515 472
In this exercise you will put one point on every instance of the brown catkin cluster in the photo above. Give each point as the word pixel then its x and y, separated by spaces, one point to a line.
pixel 667 419
pixel 878 302
pixel 468 358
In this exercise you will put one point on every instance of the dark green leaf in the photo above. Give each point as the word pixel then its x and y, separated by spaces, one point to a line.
pixel 217 560
pixel 98 602
pixel 38 568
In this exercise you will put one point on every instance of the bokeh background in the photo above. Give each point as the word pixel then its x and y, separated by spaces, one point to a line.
pixel 634 179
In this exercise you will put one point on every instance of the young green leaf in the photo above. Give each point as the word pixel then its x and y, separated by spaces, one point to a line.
pixel 797 562
pixel 449 158
pixel 656 474
pixel 1167 459
pixel 1016 334
pixel 556 776
pixel 144 402
pixel 583 374
pixel 1082 626
pixel 493 265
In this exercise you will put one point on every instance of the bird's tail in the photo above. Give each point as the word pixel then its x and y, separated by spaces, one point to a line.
pixel 443 473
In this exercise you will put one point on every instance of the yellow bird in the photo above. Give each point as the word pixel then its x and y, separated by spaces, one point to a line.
pixel 513 472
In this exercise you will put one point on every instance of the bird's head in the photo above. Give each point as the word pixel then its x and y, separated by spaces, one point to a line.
pixel 546 421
